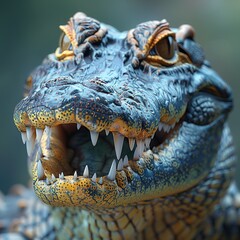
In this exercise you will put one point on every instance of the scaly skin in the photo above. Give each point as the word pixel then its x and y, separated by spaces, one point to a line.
pixel 151 85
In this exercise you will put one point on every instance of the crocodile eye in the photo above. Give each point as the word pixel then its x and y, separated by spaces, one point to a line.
pixel 166 48
pixel 65 43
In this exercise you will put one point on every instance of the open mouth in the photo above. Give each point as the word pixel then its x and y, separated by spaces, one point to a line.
pixel 71 151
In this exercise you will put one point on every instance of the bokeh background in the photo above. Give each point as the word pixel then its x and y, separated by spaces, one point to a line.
pixel 29 31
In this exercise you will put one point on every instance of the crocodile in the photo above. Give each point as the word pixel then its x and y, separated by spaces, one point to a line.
pixel 127 138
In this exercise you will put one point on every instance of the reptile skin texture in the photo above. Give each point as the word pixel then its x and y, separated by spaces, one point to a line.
pixel 127 138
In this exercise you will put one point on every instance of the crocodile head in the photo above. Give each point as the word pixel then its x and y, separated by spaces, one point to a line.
pixel 116 118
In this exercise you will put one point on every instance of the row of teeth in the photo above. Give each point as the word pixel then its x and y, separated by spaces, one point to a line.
pixel 111 175
pixel 142 145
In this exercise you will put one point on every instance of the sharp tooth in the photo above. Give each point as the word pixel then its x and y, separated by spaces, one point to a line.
pixel 120 165
pixel 75 176
pixel 39 154
pixel 136 153
pixel 29 133
pixel 94 177
pixel 48 132
pixel 147 142
pixel 40 170
pixel 166 127
pixel 30 145
pixel 100 181
pixel 118 143
pixel 112 172
pixel 39 133
pixel 94 137
pixel 47 181
pixel 78 126
pixel 139 149
pixel 141 146
pixel 125 161
pixel 53 178
pixel 24 137
pixel 160 126
pixel 61 176
pixel 86 172
pixel 107 132
pixel 131 142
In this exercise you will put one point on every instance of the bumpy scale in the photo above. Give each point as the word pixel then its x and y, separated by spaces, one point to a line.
pixel 126 137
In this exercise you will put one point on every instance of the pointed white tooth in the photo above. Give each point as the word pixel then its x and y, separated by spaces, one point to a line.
pixel 94 137
pixel 125 161
pixel 39 154
pixel 40 170
pixel 166 127
pixel 61 176
pixel 78 126
pixel 94 177
pixel 131 142
pixel 140 146
pixel 49 133
pixel 136 153
pixel 153 136
pixel 173 125
pixel 86 172
pixel 53 178
pixel 112 172
pixel 47 181
pixel 160 127
pixel 75 176
pixel 24 137
pixel 139 149
pixel 107 132
pixel 147 142
pixel 100 180
pixel 118 143
pixel 39 133
pixel 120 165
pixel 29 133
pixel 30 145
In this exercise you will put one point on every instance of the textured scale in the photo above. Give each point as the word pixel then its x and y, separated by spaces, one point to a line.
pixel 153 93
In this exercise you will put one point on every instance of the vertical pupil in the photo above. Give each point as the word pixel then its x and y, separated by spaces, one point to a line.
pixel 170 46
pixel 165 48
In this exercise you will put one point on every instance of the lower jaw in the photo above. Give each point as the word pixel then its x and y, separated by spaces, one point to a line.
pixel 122 184
pixel 107 191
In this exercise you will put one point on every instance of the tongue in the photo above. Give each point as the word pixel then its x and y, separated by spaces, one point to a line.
pixel 98 158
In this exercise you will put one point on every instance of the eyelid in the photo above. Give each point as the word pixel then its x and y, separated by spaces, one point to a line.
pixel 157 59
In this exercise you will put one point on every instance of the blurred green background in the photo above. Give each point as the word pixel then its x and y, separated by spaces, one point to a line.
pixel 29 31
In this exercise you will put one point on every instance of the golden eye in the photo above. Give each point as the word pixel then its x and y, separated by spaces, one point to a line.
pixel 166 48
pixel 65 43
